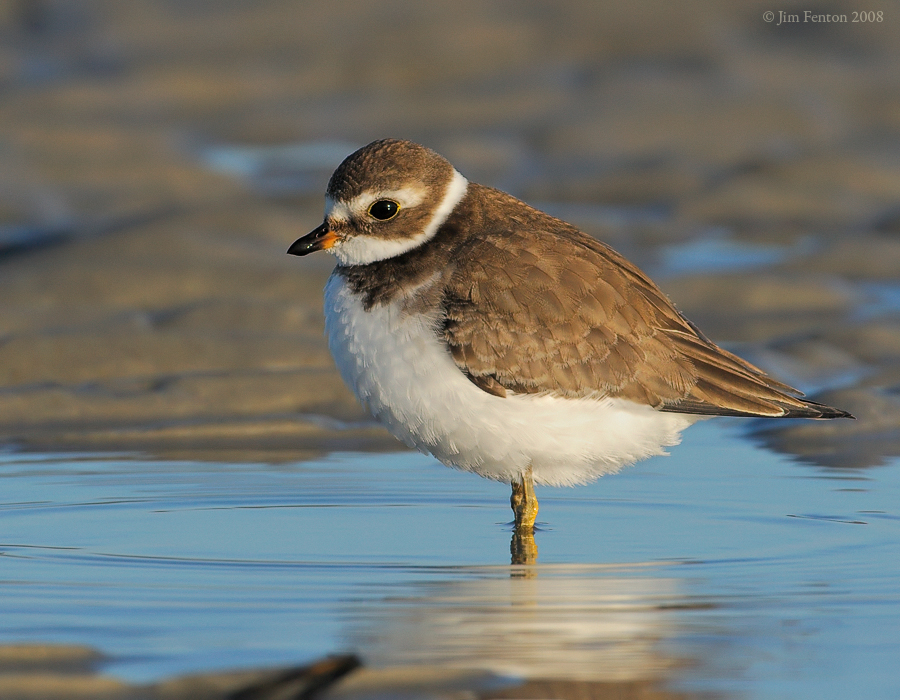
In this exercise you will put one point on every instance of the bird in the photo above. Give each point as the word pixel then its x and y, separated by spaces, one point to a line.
pixel 506 342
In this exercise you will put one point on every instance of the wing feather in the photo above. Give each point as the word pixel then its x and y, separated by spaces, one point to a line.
pixel 556 311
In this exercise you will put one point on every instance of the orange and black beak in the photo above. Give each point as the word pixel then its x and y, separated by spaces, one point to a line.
pixel 321 238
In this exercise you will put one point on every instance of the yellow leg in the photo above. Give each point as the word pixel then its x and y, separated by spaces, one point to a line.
pixel 524 503
pixel 525 507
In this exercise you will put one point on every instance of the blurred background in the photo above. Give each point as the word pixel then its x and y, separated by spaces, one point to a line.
pixel 189 486
pixel 158 157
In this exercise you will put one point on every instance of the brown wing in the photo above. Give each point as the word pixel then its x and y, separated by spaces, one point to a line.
pixel 560 312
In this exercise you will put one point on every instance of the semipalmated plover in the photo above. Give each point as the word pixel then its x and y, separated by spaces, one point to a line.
pixel 506 342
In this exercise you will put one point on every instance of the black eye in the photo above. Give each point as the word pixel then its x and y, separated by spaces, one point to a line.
pixel 384 209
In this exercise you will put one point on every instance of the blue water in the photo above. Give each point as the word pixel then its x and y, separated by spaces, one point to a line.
pixel 723 567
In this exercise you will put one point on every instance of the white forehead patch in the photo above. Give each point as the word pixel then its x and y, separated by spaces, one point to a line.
pixel 362 250
pixel 336 211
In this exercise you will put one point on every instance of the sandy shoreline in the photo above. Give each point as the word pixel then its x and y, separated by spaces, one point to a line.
pixel 157 311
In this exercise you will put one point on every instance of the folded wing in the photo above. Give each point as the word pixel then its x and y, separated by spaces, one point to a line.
pixel 562 313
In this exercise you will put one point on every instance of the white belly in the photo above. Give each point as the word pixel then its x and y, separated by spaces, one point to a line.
pixel 398 368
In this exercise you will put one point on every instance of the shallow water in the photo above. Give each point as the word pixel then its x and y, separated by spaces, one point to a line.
pixel 724 567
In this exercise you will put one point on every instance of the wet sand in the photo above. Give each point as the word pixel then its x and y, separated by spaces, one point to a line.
pixel 147 196
pixel 148 303
pixel 49 672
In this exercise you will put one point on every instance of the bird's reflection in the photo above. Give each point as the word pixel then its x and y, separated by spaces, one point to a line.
pixel 589 623
pixel 522 548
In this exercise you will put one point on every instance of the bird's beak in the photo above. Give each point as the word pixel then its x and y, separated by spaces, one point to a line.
pixel 321 238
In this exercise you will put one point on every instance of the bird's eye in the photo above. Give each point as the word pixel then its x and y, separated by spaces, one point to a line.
pixel 384 209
